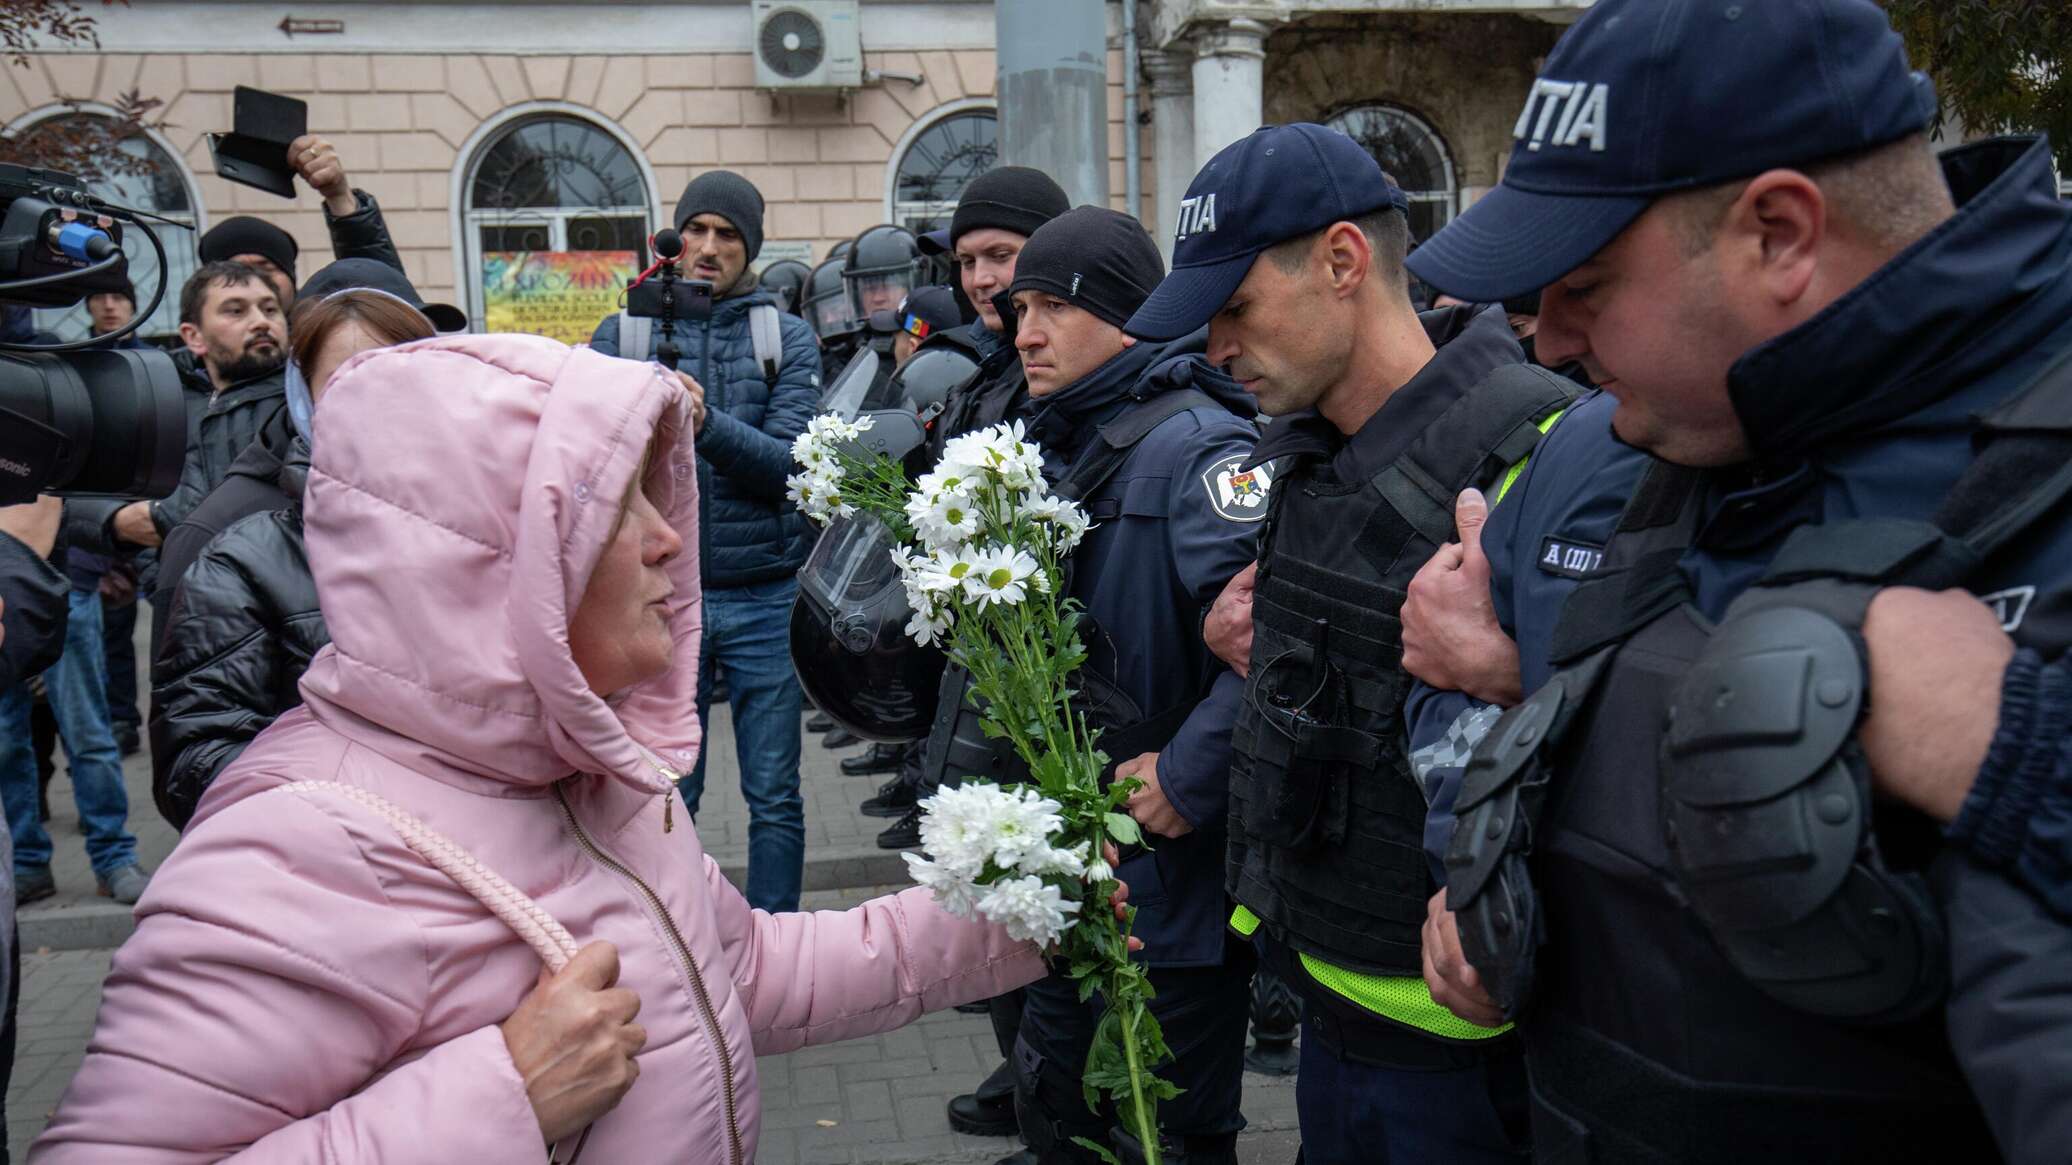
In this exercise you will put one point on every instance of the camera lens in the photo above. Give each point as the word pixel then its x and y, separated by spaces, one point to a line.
pixel 121 416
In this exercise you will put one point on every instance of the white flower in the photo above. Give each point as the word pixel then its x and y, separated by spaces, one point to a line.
pixel 950 518
pixel 1030 908
pixel 956 895
pixel 955 828
pixel 1000 574
pixel 929 624
pixel 1068 522
pixel 1100 871
pixel 1069 862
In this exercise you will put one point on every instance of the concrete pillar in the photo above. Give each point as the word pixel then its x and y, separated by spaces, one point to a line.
pixel 1053 92
pixel 1229 80
pixel 1172 130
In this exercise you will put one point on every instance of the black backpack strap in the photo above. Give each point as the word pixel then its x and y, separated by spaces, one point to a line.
pixel 1104 455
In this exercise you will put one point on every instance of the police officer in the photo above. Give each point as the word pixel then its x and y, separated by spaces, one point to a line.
pixel 1290 248
pixel 786 280
pixel 1000 209
pixel 1142 433
pixel 825 306
pixel 1849 359
pixel 928 311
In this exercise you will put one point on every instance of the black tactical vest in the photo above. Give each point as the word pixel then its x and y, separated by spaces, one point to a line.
pixel 1605 875
pixel 1326 822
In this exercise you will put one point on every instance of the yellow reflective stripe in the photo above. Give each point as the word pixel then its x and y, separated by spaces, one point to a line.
pixel 1244 921
pixel 1511 475
pixel 1403 998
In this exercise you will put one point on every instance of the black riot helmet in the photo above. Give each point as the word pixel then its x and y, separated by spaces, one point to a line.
pixel 849 643
pixel 841 250
pixel 879 270
pixel 826 305
pixel 786 279
pixel 924 383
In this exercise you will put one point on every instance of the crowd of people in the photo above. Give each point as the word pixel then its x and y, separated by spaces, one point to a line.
pixel 1605 657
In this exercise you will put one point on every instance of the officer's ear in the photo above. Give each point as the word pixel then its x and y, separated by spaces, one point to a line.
pixel 1774 237
pixel 1346 256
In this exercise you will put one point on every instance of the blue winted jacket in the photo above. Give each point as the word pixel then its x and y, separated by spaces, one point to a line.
pixel 747 532
pixel 1868 410
pixel 1159 553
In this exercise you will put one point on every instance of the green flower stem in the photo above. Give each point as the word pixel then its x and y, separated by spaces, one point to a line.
pixel 1013 652
pixel 1146 1127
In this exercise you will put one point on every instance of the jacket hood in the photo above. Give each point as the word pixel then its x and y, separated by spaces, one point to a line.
pixel 1942 313
pixel 461 490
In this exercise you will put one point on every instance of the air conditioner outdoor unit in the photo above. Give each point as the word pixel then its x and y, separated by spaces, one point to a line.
pixel 807 44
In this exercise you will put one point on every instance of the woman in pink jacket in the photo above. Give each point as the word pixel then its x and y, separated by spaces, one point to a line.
pixel 444 911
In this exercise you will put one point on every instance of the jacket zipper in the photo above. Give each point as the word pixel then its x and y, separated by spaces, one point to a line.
pixel 683 953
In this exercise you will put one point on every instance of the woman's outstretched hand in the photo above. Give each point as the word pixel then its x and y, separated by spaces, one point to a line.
pixel 573 1041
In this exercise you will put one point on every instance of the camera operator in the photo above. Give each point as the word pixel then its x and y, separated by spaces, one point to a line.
pixel 748 407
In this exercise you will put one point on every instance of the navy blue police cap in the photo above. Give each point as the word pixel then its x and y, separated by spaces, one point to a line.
pixel 1643 98
pixel 1277 183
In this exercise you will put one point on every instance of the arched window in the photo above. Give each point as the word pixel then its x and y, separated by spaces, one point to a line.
pixel 935 161
pixel 1412 154
pixel 148 176
pixel 557 216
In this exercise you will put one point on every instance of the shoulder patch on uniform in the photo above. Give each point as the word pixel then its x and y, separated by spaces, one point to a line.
pixel 2011 605
pixel 1568 558
pixel 1236 493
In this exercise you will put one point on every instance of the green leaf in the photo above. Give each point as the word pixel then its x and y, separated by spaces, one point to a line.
pixel 1123 829
pixel 1097 1150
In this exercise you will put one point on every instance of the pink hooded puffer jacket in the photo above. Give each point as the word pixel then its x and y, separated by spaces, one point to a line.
pixel 305 986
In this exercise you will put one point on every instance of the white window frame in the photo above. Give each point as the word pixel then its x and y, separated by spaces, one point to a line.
pixel 1448 198
pixel 895 211
pixel 175 239
pixel 467 249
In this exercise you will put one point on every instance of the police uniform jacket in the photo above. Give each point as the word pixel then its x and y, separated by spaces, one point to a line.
pixel 1168 534
pixel 1868 410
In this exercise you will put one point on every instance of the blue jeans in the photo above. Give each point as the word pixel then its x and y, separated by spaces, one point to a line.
pixel 748 633
pixel 77 685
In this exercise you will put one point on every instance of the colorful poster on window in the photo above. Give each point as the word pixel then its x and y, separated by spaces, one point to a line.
pixel 562 294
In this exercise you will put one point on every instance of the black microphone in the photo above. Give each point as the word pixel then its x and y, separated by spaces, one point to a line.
pixel 668 245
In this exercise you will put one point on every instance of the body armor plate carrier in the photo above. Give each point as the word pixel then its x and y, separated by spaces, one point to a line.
pixel 1669 859
pixel 1326 821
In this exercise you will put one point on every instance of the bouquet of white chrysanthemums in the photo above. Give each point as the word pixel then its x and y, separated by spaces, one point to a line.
pixel 982 543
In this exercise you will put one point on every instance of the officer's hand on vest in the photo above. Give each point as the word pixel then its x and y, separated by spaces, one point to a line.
pixel 1936 662
pixel 1148 804
pixel 1454 984
pixel 1451 638
pixel 1228 627
pixel 697 394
